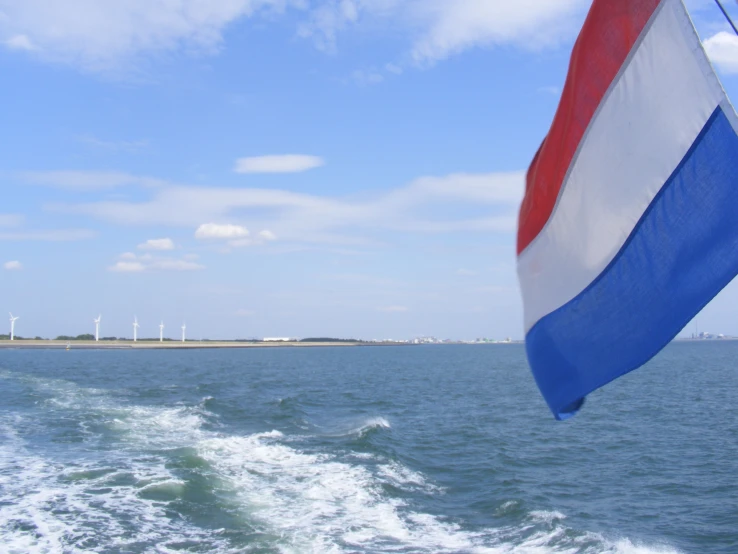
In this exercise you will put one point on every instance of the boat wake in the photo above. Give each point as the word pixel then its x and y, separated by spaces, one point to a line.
pixel 129 476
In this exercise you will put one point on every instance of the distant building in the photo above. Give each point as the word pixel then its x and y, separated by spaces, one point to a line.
pixel 278 339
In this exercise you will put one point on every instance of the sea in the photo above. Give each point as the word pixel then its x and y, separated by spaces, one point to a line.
pixel 406 449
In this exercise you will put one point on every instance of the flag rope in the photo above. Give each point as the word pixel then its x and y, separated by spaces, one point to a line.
pixel 722 9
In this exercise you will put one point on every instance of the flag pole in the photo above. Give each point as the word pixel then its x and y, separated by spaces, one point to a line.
pixel 722 9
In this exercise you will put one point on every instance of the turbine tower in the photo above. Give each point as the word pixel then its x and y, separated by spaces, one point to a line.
pixel 161 332
pixel 97 327
pixel 184 326
pixel 135 327
pixel 12 326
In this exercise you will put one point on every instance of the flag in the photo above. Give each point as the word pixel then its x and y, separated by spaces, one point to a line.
pixel 629 224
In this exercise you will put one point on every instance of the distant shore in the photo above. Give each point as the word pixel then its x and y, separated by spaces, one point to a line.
pixel 192 344
pixel 170 345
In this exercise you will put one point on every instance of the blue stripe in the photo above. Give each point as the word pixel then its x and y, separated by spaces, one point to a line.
pixel 683 251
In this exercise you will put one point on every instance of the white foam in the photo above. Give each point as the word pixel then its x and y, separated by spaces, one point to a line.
pixel 364 427
pixel 81 507
pixel 302 501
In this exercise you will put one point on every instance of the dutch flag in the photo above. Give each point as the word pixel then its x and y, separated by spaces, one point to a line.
pixel 629 225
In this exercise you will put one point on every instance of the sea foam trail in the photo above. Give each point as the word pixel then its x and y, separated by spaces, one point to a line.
pixel 48 506
pixel 296 501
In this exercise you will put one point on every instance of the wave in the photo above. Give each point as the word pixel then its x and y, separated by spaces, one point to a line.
pixel 362 428
pixel 126 496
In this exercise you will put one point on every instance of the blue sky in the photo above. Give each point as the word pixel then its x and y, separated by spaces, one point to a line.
pixel 256 168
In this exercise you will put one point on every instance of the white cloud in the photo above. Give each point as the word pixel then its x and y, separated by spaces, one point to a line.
pixel 288 163
pixel 11 220
pixel 393 309
pixel 175 265
pixel 130 263
pixel 102 36
pixel 439 28
pixel 157 244
pixel 19 42
pixel 111 36
pixel 127 267
pixel 452 203
pixel 13 266
pixel 485 188
pixel 261 238
pixel 216 231
pixel 87 180
pixel 463 24
pixel 722 49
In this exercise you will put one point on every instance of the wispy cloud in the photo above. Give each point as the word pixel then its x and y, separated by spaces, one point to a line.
pixel 14 265
pixel 174 265
pixel 454 27
pixel 393 309
pixel 113 146
pixel 440 29
pixel 59 235
pixel 11 220
pixel 423 206
pixel 106 36
pixel 551 90
pixel 157 244
pixel 127 267
pixel 366 77
pixel 245 313
pixel 287 163
pixel 20 42
pixel 128 262
pixel 112 37
pixel 87 180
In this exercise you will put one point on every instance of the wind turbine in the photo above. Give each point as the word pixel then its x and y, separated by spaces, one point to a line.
pixel 97 327
pixel 12 326
pixel 135 327
pixel 161 332
pixel 184 326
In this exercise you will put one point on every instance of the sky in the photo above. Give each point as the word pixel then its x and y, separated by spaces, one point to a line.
pixel 281 168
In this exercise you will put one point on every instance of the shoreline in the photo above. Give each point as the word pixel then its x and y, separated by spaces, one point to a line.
pixel 30 344
pixel 172 345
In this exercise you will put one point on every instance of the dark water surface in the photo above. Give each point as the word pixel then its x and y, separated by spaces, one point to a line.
pixel 430 449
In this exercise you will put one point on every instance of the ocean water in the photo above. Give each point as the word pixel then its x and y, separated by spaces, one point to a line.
pixel 429 449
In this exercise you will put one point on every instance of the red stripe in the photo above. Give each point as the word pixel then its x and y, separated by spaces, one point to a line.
pixel 611 29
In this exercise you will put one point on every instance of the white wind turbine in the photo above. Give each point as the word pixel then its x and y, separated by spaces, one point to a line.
pixel 135 327
pixel 12 326
pixel 184 326
pixel 97 327
pixel 161 332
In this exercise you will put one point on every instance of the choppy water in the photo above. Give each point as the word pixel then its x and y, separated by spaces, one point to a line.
pixel 400 449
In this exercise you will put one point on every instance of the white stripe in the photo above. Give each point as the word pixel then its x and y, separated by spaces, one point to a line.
pixel 641 132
